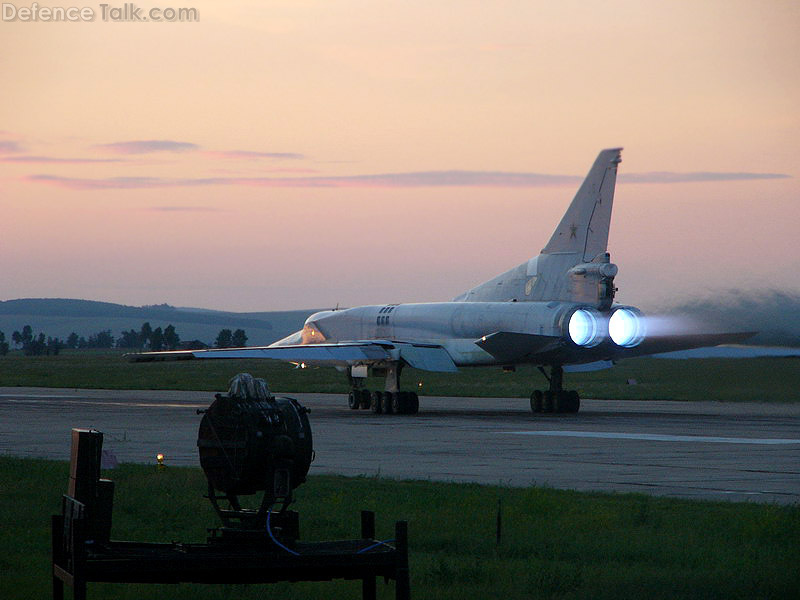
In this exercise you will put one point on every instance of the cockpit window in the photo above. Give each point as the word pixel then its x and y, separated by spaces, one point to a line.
pixel 311 334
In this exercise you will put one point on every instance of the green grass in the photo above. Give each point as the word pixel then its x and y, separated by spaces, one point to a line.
pixel 556 544
pixel 757 379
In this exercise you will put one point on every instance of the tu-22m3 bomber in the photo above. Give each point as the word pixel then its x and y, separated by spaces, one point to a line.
pixel 556 310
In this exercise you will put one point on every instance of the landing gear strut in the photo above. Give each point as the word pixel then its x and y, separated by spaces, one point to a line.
pixel 391 401
pixel 556 399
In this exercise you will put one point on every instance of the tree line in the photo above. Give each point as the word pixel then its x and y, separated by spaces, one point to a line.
pixel 146 338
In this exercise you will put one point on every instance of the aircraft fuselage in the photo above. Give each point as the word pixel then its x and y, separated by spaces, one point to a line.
pixel 461 328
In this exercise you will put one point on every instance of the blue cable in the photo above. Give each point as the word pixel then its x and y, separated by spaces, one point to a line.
pixel 375 545
pixel 290 551
pixel 274 539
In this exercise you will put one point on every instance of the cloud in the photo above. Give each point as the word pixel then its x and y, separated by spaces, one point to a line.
pixel 248 154
pixel 184 209
pixel 452 179
pixel 108 183
pixel 9 146
pixel 54 159
pixel 671 177
pixel 148 146
pixel 389 180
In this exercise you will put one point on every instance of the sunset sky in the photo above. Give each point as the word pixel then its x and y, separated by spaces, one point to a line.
pixel 297 154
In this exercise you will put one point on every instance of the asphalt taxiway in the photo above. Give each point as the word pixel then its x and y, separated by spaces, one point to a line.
pixel 700 450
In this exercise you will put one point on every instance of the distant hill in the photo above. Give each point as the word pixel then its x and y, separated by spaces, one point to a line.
pixel 58 317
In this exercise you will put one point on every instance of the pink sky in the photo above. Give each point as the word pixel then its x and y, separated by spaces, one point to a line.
pixel 301 154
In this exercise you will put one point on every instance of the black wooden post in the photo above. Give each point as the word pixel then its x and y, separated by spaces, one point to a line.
pixel 57 539
pixel 78 551
pixel 499 523
pixel 368 588
pixel 402 588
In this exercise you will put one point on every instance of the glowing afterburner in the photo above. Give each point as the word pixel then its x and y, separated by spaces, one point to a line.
pixel 626 327
pixel 584 328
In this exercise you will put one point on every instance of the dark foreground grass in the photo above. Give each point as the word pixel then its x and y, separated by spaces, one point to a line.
pixel 757 379
pixel 555 544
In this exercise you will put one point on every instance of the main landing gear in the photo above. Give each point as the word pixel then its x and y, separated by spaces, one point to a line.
pixel 556 399
pixel 398 403
pixel 391 401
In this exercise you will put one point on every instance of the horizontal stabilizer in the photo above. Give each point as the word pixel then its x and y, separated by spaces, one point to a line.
pixel 512 347
pixel 597 365
pixel 660 344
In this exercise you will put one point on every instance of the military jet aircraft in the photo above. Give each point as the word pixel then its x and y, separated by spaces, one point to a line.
pixel 555 310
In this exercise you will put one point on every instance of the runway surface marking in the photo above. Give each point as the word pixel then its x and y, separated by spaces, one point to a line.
pixel 33 396
pixel 31 400
pixel 657 437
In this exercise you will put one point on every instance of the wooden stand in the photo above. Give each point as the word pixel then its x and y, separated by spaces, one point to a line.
pixel 83 553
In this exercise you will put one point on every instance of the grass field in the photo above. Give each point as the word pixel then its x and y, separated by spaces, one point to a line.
pixel 757 379
pixel 555 544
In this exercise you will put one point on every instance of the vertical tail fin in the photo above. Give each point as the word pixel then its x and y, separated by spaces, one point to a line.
pixel 559 272
pixel 584 227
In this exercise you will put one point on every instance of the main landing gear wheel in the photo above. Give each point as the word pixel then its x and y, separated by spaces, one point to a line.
pixel 380 402
pixel 414 403
pixel 376 403
pixel 536 401
pixel 354 399
pixel 406 403
pixel 548 404
pixel 565 401
pixel 399 403
pixel 387 402
pixel 573 403
pixel 365 399
pixel 556 399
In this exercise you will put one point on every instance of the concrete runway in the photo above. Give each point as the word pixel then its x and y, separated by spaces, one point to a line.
pixel 706 450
